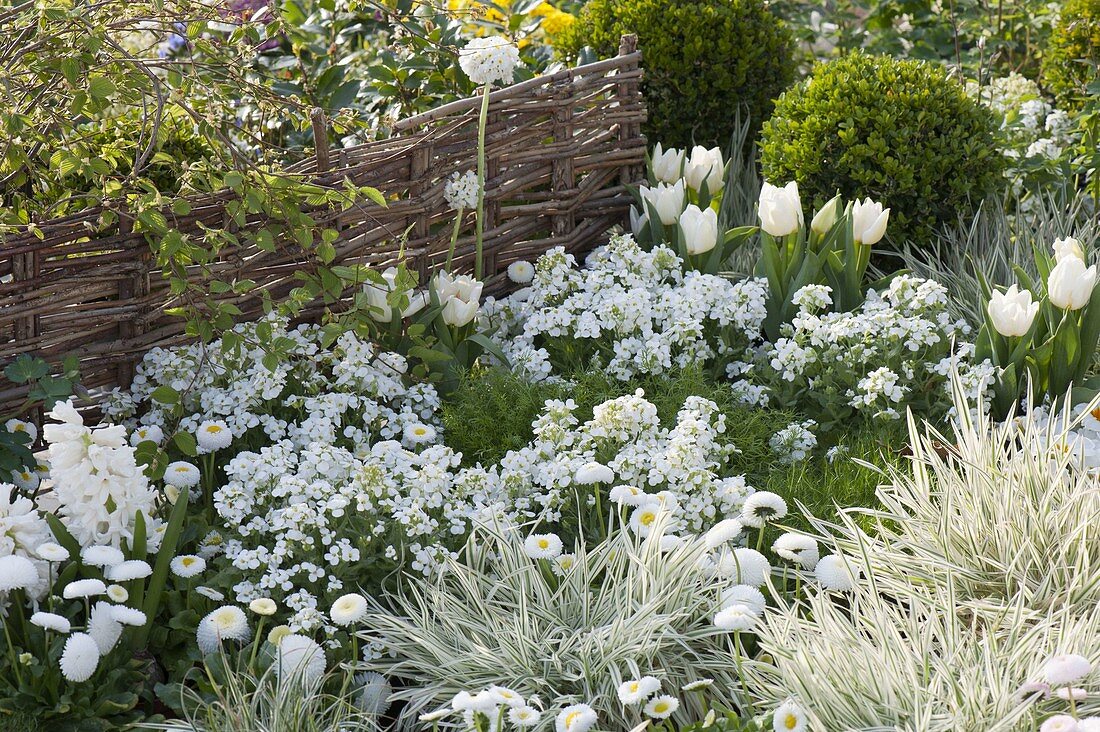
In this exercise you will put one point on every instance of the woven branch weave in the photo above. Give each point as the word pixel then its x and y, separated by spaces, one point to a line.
pixel 560 150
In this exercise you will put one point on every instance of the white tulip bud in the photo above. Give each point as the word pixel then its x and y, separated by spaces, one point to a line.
pixel 1068 247
pixel 1012 312
pixel 638 221
pixel 705 165
pixel 458 312
pixel 700 229
pixel 1070 283
pixel 869 220
pixel 780 209
pixel 668 200
pixel 666 164
pixel 824 219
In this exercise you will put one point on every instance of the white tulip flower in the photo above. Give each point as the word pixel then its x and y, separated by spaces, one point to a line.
pixel 780 209
pixel 458 312
pixel 869 220
pixel 705 166
pixel 666 164
pixel 638 221
pixel 700 229
pixel 1068 247
pixel 668 200
pixel 1070 283
pixel 1012 312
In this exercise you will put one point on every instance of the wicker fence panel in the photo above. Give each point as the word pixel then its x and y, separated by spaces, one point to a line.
pixel 560 150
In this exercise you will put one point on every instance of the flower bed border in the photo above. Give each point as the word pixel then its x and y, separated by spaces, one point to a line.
pixel 560 150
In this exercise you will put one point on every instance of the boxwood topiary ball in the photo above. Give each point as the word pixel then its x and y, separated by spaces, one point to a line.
pixel 703 60
pixel 902 132
pixel 1074 43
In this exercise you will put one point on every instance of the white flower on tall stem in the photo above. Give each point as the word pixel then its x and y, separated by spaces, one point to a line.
pixel 737 617
pixel 705 166
pixel 780 209
pixel 102 556
pixel 723 532
pixel 833 574
pixel 486 61
pixel 1070 283
pixel 638 221
pixel 667 200
pixel 84 588
pixel 1066 668
pixel 103 628
pixel 869 221
pixel 52 552
pixel 51 621
pixel 132 569
pixel 489 60
pixel 1012 312
pixel 300 658
pixel 746 566
pixel 666 164
pixel 699 229
pixel 744 595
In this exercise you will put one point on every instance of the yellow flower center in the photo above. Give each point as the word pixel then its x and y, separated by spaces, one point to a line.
pixel 213 429
pixel 647 518
pixel 183 469
pixel 187 561
pixel 19 428
pixel 660 707
pixel 790 721
pixel 570 718
pixel 1096 413
pixel 634 687
pixel 544 544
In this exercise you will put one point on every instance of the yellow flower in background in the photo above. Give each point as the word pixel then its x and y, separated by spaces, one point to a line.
pixel 554 21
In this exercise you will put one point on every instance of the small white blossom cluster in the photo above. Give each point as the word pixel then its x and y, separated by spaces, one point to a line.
pixel 352 392
pixel 1037 133
pixel 795 442
pixel 648 468
pixel 96 484
pixel 489 60
pixel 895 351
pixel 461 191
pixel 630 312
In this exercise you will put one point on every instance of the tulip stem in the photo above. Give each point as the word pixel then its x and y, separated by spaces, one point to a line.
pixel 480 225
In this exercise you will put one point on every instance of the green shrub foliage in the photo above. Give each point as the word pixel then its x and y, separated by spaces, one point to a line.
pixel 902 132
pixel 704 60
pixel 1072 57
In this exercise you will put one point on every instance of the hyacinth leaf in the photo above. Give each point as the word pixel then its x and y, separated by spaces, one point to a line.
pixel 159 578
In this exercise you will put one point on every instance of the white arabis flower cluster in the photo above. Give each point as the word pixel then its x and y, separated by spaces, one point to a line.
pixel 630 312
pixel 894 351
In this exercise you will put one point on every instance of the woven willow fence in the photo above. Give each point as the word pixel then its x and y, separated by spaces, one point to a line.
pixel 560 149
